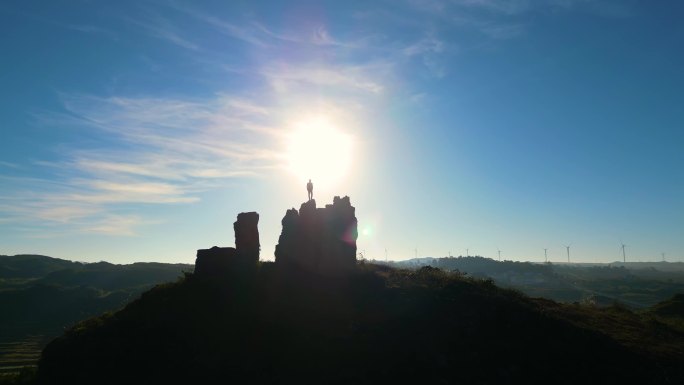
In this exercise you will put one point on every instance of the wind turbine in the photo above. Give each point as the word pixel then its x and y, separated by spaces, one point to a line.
pixel 546 258
pixel 499 254
pixel 624 256
pixel 467 252
pixel 567 248
pixel 663 254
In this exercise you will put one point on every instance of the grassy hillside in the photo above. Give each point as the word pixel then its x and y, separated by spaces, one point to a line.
pixel 41 296
pixel 376 325
pixel 32 266
pixel 636 285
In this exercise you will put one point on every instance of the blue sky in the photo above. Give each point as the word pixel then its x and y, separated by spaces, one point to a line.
pixel 138 130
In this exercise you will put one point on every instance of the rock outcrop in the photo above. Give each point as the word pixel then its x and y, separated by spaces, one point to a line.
pixel 319 240
pixel 247 236
pixel 215 262
pixel 219 262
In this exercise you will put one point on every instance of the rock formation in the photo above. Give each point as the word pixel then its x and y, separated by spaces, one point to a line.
pixel 319 240
pixel 247 235
pixel 215 262
pixel 220 262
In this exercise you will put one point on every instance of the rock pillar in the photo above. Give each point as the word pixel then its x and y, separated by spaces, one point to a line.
pixel 247 236
pixel 319 239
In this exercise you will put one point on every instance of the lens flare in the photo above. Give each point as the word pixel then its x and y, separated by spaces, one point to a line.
pixel 366 231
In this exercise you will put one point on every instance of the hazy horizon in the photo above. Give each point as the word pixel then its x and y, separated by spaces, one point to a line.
pixel 137 131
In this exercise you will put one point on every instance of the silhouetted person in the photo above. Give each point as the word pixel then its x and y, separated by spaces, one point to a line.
pixel 309 189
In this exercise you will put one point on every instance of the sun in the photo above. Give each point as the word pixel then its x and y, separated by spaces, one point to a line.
pixel 318 150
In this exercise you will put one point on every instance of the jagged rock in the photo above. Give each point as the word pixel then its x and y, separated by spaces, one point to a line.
pixel 215 262
pixel 247 235
pixel 287 242
pixel 222 262
pixel 319 239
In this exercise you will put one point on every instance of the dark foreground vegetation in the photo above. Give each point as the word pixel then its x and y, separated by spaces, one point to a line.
pixel 373 325
pixel 40 297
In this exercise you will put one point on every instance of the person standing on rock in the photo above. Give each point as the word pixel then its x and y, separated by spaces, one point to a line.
pixel 309 189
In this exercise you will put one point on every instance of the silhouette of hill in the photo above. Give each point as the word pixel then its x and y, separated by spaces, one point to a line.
pixel 296 321
pixel 111 277
pixel 18 270
pixel 375 325
pixel 32 266
pixel 637 285
pixel 45 305
pixel 673 308
pixel 41 296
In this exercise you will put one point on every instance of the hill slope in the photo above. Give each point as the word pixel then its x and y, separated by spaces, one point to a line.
pixel 375 324
pixel 40 296
pixel 637 285
pixel 32 266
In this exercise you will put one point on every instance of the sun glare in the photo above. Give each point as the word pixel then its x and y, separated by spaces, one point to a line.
pixel 319 151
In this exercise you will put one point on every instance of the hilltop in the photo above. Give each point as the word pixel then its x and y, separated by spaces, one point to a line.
pixel 375 325
pixel 315 315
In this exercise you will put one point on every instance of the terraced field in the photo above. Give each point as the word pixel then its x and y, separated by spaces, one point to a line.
pixel 16 355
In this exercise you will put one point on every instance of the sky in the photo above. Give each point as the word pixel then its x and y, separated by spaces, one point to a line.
pixel 138 130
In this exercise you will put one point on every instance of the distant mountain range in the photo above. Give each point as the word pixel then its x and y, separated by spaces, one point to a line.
pixel 634 284
pixel 41 296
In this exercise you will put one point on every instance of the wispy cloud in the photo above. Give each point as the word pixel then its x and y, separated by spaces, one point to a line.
pixel 282 76
pixel 162 28
pixel 502 31
pixel 505 19
pixel 249 33
pixel 314 39
pixel 509 7
pixel 246 34
pixel 93 29
pixel 8 164
pixel 120 225
pixel 429 49
pixel 177 138
pixel 152 150
pixel 158 151
pixel 428 44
